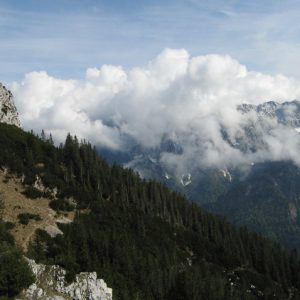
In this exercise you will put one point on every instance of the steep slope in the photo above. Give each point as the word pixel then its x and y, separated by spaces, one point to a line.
pixel 17 204
pixel 23 279
pixel 146 241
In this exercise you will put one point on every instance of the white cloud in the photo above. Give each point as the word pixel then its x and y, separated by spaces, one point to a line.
pixel 191 98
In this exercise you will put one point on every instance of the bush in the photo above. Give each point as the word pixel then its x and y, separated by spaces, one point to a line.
pixel 26 217
pixel 5 236
pixel 61 204
pixel 32 192
pixel 15 273
pixel 10 225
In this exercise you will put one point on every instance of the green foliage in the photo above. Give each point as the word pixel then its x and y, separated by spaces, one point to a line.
pixel 10 225
pixel 207 186
pixel 5 236
pixel 2 206
pixel 14 271
pixel 24 218
pixel 267 201
pixel 32 192
pixel 62 205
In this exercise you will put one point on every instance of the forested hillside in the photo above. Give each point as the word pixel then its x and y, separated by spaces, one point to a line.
pixel 266 201
pixel 146 241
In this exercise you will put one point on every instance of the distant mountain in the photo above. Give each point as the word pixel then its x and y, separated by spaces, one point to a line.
pixel 200 185
pixel 8 111
pixel 286 113
pixel 262 121
pixel 267 201
pixel 205 184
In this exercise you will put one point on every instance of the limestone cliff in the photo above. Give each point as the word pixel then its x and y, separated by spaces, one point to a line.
pixel 51 284
pixel 8 111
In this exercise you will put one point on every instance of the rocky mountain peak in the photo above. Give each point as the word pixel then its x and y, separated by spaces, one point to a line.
pixel 8 111
pixel 286 113
pixel 267 109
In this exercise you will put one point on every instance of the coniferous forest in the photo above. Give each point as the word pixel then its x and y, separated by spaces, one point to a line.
pixel 144 240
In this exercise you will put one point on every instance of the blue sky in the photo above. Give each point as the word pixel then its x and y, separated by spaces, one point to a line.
pixel 65 37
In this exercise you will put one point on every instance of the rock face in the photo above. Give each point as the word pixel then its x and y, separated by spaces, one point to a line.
pixel 8 111
pixel 51 284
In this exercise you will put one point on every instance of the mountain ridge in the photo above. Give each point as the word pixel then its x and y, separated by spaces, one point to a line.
pixel 252 138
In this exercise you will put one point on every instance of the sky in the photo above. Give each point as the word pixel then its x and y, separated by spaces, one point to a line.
pixel 65 37
pixel 120 73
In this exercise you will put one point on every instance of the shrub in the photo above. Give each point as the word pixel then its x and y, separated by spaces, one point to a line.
pixel 32 192
pixel 26 217
pixel 10 225
pixel 15 273
pixel 61 204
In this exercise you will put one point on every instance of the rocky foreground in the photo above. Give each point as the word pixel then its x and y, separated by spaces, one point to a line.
pixel 51 285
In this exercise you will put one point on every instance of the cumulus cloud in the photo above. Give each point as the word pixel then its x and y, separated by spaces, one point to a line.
pixel 189 99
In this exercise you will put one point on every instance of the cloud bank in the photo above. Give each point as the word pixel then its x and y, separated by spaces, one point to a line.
pixel 190 100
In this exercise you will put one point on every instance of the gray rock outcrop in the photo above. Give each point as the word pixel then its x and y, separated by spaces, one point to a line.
pixel 51 284
pixel 8 111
